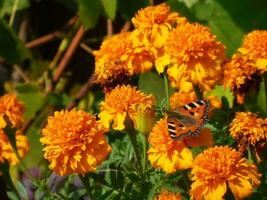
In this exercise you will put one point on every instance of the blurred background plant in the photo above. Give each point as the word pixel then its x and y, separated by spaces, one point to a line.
pixel 47 59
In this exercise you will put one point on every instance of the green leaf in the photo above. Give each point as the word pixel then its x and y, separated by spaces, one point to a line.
pixel 22 190
pixel 7 6
pixel 110 7
pixel 261 98
pixel 11 49
pixel 89 12
pixel 220 92
pixel 129 7
pixel 32 97
pixel 153 83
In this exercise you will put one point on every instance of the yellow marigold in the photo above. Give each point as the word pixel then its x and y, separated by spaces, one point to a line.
pixel 255 47
pixel 153 25
pixel 239 74
pixel 168 196
pixel 217 167
pixel 117 56
pixel 172 155
pixel 122 101
pixel 74 142
pixel 11 109
pixel 7 151
pixel 248 129
pixel 194 56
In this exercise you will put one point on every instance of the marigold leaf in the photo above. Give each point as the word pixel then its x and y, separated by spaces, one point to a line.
pixel 110 7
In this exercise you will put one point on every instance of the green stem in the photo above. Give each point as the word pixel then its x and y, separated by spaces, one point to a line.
pixel 198 92
pixel 86 182
pixel 144 141
pixel 250 155
pixel 265 87
pixel 167 92
pixel 13 14
pixel 129 128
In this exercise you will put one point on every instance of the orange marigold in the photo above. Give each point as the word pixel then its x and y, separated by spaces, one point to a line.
pixel 239 75
pixel 11 109
pixel 171 155
pixel 153 25
pixel 118 57
pixel 248 129
pixel 216 167
pixel 194 57
pixel 7 151
pixel 168 196
pixel 122 101
pixel 255 47
pixel 74 142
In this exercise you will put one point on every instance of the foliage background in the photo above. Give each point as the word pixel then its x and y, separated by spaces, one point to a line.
pixel 29 69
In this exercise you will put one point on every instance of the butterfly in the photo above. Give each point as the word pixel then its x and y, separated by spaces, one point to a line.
pixel 188 120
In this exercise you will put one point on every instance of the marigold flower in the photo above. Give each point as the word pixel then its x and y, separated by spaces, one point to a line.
pixel 248 129
pixel 239 75
pixel 7 151
pixel 171 155
pixel 153 25
pixel 255 47
pixel 122 101
pixel 194 57
pixel 118 57
pixel 11 109
pixel 168 196
pixel 217 167
pixel 74 142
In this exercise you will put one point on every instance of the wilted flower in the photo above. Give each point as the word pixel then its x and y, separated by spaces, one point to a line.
pixel 217 167
pixel 194 57
pixel 168 196
pixel 118 58
pixel 153 25
pixel 11 109
pixel 74 142
pixel 172 155
pixel 7 151
pixel 122 101
pixel 248 129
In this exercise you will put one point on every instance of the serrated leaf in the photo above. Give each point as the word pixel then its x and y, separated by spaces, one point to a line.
pixel 89 12
pixel 32 97
pixel 110 7
pixel 11 49
pixel 7 6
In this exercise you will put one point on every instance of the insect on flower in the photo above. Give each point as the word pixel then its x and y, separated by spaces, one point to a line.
pixel 188 120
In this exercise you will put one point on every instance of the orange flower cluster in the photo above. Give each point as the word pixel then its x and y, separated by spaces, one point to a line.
pixel 74 142
pixel 119 103
pixel 216 167
pixel 193 56
pixel 12 110
pixel 128 53
pixel 248 129
pixel 11 113
pixel 247 65
pixel 118 57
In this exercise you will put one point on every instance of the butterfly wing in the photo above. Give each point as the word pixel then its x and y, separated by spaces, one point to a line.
pixel 188 119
